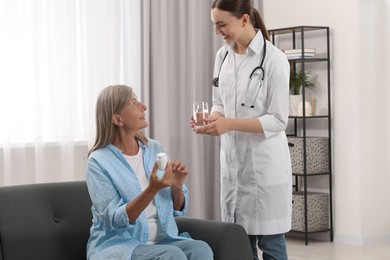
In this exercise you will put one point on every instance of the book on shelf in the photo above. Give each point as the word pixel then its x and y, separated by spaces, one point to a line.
pixel 297 53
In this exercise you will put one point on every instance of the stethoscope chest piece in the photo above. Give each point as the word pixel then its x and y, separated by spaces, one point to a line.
pixel 215 82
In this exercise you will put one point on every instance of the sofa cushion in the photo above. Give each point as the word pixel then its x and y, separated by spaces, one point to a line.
pixel 44 221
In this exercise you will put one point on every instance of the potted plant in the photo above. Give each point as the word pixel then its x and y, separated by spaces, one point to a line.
pixel 297 80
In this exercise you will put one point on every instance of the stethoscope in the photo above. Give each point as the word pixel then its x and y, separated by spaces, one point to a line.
pixel 215 81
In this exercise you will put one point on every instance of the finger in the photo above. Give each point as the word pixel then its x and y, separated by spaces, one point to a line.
pixel 153 174
pixel 201 129
pixel 175 165
pixel 183 170
pixel 211 131
pixel 181 175
pixel 154 170
pixel 207 129
pixel 209 119
pixel 168 174
pixel 181 167
pixel 168 169
pixel 192 122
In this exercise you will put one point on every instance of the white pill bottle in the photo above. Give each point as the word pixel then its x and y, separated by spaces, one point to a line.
pixel 162 160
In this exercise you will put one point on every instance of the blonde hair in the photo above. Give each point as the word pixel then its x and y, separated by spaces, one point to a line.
pixel 111 100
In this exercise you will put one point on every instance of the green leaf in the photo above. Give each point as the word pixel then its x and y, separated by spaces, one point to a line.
pixel 297 79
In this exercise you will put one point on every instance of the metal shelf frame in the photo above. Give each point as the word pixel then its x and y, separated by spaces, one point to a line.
pixel 301 31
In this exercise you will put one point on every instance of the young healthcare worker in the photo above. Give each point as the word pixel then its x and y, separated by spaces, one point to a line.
pixel 250 113
pixel 133 204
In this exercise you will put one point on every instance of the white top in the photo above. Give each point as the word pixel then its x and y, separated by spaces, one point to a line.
pixel 256 179
pixel 156 232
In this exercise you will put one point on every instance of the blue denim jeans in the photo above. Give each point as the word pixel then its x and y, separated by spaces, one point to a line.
pixel 174 250
pixel 273 246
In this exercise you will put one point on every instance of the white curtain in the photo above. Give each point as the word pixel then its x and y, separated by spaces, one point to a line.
pixel 55 58
pixel 178 53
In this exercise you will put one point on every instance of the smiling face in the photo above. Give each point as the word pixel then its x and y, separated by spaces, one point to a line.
pixel 228 26
pixel 132 116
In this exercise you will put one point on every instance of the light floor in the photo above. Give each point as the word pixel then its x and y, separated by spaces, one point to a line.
pixel 325 250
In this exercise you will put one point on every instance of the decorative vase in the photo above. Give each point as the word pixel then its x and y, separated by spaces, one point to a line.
pixel 307 109
pixel 294 102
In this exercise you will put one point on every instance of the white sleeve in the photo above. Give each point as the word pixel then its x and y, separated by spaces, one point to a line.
pixel 217 101
pixel 276 118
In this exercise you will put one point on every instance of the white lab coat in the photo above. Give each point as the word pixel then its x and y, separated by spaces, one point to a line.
pixel 256 180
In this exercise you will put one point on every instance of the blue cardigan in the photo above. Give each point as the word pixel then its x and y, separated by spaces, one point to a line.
pixel 112 183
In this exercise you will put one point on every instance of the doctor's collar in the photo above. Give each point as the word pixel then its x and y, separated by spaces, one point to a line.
pixel 257 42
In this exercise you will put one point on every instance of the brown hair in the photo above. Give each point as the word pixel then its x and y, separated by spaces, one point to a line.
pixel 240 7
pixel 111 100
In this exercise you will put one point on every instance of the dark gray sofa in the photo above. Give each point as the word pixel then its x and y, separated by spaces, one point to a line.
pixel 51 221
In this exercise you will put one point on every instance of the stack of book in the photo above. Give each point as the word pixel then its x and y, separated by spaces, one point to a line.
pixel 297 53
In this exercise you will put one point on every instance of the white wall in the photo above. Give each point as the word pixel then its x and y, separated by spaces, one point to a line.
pixel 360 54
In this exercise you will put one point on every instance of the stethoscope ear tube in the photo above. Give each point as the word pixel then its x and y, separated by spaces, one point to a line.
pixel 215 81
pixel 258 68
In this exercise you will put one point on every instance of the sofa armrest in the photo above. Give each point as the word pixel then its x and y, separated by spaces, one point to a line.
pixel 228 241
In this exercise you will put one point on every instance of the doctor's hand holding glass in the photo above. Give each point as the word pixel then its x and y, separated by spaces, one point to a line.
pixel 250 103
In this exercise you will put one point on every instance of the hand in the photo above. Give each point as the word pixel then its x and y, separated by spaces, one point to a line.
pixel 180 173
pixel 216 126
pixel 192 122
pixel 157 183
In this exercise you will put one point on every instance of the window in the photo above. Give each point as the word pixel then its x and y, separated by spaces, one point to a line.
pixel 55 58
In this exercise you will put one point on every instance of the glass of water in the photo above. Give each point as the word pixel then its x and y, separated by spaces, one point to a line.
pixel 200 112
